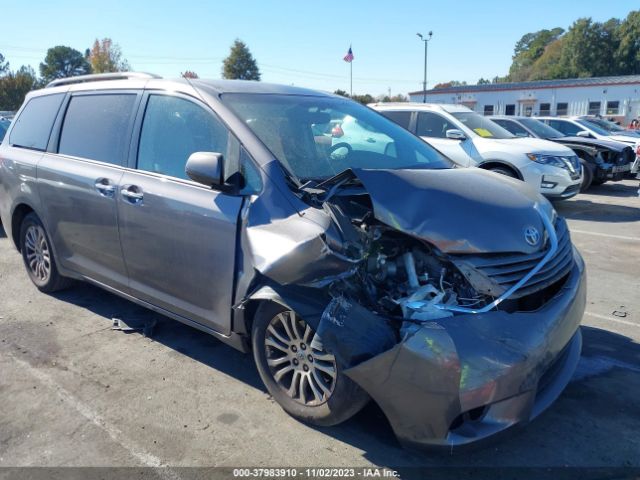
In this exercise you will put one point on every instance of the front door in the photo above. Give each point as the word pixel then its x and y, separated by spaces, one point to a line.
pixel 179 237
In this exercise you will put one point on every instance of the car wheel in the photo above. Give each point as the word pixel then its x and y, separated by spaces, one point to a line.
pixel 37 255
pixel 506 171
pixel 587 175
pixel 298 372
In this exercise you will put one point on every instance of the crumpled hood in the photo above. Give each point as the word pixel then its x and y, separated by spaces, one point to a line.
pixel 466 210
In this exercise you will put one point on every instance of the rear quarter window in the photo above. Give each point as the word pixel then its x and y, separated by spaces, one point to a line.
pixel 96 127
pixel 33 126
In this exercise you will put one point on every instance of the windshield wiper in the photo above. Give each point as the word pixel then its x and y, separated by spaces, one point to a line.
pixel 324 190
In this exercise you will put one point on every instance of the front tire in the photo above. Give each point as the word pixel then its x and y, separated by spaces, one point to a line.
pixel 587 175
pixel 37 256
pixel 299 373
pixel 506 171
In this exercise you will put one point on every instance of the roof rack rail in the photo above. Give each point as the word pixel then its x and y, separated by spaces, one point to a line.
pixel 101 76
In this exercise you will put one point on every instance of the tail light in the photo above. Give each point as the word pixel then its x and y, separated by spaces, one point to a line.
pixel 337 132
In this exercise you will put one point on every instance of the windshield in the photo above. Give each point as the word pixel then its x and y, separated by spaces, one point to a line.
pixel 482 126
pixel 609 126
pixel 317 137
pixel 541 129
pixel 593 126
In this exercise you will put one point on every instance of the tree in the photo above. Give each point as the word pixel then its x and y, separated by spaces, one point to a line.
pixel 4 66
pixel 483 81
pixel 452 83
pixel 14 86
pixel 240 64
pixel 189 74
pixel 106 56
pixel 342 93
pixel 528 49
pixel 588 49
pixel 62 62
pixel 628 53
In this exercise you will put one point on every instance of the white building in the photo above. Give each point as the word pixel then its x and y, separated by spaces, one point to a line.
pixel 612 97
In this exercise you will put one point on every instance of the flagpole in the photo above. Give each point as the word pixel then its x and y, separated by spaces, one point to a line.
pixel 351 78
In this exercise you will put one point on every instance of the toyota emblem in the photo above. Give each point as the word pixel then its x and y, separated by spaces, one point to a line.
pixel 532 236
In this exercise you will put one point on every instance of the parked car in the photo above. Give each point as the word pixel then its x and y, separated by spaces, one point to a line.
pixel 471 140
pixel 586 127
pixel 602 160
pixel 450 296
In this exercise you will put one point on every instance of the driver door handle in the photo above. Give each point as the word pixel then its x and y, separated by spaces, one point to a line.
pixel 105 187
pixel 132 194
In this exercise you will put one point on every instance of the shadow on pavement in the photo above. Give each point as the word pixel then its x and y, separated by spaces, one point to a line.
pixel 579 209
pixel 571 433
pixel 3 234
pixel 615 189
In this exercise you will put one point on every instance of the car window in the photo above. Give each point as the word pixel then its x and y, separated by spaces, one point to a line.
pixel 33 126
pixel 96 127
pixel 402 118
pixel 433 125
pixel 567 128
pixel 540 128
pixel 173 128
pixel 481 126
pixel 512 127
pixel 4 126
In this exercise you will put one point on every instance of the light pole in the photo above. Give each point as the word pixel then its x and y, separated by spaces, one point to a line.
pixel 424 82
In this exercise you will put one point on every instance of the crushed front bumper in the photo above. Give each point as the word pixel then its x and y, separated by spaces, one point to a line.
pixel 468 377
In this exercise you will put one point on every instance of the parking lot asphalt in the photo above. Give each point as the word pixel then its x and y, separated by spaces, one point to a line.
pixel 74 392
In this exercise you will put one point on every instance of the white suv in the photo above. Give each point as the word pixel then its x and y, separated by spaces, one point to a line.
pixel 471 140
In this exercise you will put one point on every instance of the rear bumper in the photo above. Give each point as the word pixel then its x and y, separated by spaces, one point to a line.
pixel 468 377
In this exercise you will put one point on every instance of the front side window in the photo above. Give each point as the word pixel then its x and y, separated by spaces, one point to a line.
pixel 481 126
pixel 96 127
pixel 433 125
pixel 33 126
pixel 567 128
pixel 317 137
pixel 541 129
pixel 173 128
pixel 512 127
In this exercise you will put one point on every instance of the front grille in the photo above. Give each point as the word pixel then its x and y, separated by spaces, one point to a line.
pixel 494 274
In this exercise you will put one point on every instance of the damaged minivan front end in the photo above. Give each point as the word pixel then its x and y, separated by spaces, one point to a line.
pixel 452 297
pixel 415 296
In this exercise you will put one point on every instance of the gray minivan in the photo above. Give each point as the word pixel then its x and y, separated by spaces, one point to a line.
pixel 451 297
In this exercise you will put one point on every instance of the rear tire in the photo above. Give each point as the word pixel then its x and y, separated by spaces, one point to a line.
pixel 293 363
pixel 37 256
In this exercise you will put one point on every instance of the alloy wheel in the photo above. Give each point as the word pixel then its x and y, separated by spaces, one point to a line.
pixel 297 360
pixel 37 253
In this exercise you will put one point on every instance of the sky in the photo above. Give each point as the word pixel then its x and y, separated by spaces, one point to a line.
pixel 299 42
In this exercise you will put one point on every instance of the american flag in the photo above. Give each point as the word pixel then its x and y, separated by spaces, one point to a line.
pixel 349 56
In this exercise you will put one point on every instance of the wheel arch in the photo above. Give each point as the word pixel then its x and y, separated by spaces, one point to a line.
pixel 488 164
pixel 19 213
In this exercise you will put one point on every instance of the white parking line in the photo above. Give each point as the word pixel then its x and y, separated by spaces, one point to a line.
pixel 608 235
pixel 146 458
pixel 612 319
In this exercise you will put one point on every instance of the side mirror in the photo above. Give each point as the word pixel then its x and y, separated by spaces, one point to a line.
pixel 583 133
pixel 455 134
pixel 206 168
